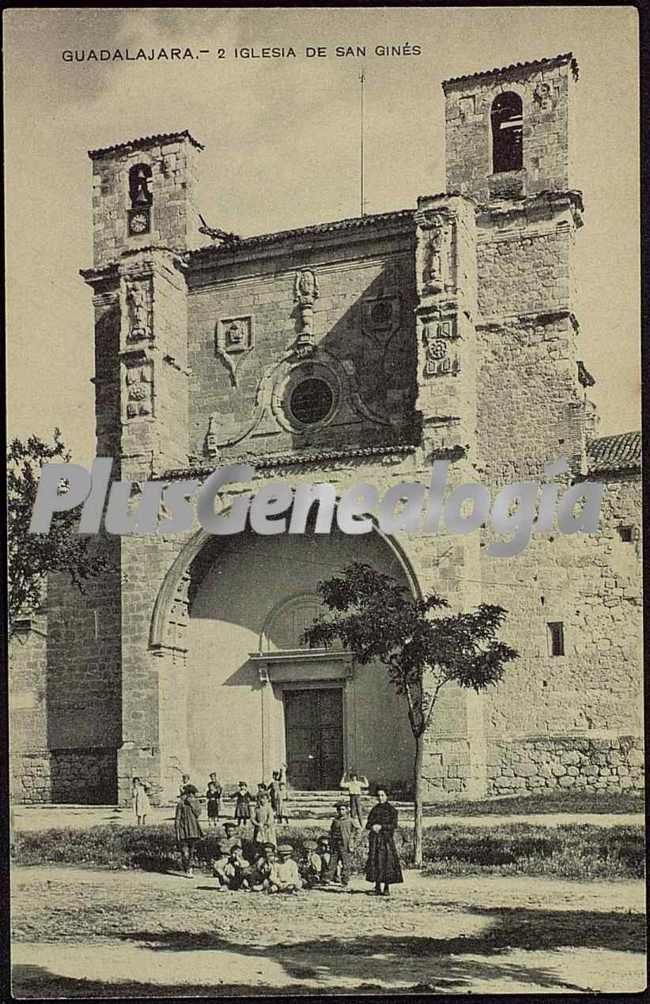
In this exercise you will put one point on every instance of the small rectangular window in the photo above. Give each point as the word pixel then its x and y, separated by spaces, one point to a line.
pixel 626 533
pixel 556 638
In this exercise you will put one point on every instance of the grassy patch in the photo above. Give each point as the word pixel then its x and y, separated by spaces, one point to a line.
pixel 554 801
pixel 577 851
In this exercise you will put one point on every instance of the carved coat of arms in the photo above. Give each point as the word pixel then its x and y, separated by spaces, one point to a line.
pixel 234 339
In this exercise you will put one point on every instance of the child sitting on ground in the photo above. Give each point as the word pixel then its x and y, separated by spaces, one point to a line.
pixel 310 865
pixel 284 875
pixel 324 853
pixel 242 870
pixel 222 868
pixel 261 873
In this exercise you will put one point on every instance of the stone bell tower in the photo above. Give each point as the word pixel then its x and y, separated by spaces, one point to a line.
pixel 509 142
pixel 144 219
pixel 144 222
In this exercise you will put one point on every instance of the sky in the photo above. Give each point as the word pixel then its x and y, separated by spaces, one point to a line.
pixel 282 150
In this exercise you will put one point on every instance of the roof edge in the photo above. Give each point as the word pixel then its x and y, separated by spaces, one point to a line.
pixel 559 60
pixel 144 141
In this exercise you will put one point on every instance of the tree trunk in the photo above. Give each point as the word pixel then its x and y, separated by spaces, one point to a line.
pixel 417 787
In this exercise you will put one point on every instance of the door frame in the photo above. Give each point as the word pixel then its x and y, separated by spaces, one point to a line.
pixel 342 685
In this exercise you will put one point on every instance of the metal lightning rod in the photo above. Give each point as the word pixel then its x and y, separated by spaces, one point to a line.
pixel 362 79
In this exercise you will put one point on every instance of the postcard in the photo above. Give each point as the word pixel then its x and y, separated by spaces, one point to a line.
pixel 324 467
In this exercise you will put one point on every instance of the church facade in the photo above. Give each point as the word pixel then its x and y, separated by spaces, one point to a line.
pixel 356 351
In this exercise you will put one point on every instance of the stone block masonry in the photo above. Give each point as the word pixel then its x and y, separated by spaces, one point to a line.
pixel 571 763
pixel 445 331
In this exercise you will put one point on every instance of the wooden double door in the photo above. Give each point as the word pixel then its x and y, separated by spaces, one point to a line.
pixel 314 736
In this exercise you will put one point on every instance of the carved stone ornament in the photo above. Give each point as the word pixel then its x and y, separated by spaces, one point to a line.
pixel 440 354
pixel 305 287
pixel 305 293
pixel 467 106
pixel 234 339
pixel 139 307
pixel 435 270
pixel 211 446
pixel 543 95
pixel 380 317
pixel 139 390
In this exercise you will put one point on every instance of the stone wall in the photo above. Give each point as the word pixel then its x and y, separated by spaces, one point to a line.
pixel 247 330
pixel 543 764
pixel 86 776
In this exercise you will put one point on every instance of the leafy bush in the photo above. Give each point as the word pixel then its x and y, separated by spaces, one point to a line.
pixel 575 851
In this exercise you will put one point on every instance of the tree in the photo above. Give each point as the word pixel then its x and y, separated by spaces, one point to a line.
pixel 374 618
pixel 31 556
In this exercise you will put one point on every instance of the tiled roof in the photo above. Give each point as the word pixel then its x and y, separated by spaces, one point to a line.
pixel 142 141
pixel 354 223
pixel 564 57
pixel 615 453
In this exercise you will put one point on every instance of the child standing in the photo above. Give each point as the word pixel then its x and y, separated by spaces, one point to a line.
pixel 264 832
pixel 243 799
pixel 186 824
pixel 342 840
pixel 140 798
pixel 278 795
pixel 230 838
pixel 355 784
pixel 213 797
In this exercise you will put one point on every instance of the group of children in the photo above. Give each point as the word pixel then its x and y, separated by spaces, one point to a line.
pixel 264 809
pixel 271 869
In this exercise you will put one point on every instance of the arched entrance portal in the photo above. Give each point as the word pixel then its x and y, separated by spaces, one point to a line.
pixel 255 697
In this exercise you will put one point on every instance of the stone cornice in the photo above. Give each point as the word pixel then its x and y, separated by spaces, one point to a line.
pixel 321 457
pixel 112 269
pixel 570 199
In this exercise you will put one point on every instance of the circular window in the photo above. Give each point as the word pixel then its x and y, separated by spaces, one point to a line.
pixel 311 401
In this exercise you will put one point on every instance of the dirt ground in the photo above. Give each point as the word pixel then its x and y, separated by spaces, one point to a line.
pixel 29 818
pixel 85 933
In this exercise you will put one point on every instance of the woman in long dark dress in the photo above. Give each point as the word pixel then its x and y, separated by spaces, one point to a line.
pixel 383 865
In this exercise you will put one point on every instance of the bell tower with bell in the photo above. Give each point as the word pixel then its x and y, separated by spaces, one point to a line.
pixel 144 221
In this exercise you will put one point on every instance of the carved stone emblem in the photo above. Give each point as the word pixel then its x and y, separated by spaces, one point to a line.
pixel 543 95
pixel 381 317
pixel 139 390
pixel 467 105
pixel 234 338
pixel 305 294
pixel 138 300
pixel 441 356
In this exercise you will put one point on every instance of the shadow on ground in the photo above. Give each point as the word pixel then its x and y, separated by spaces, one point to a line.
pixel 378 961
